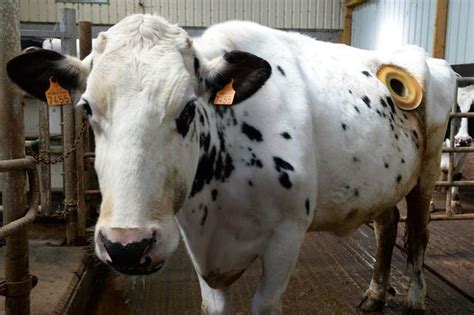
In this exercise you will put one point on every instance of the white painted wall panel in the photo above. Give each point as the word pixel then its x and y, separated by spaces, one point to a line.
pixel 291 14
pixel 382 24
pixel 460 32
pixel 385 24
pixel 364 25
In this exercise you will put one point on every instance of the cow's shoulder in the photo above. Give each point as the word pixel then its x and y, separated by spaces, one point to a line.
pixel 247 36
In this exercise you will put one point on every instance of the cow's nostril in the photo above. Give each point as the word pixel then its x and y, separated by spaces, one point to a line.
pixel 147 261
pixel 128 255
pixel 154 235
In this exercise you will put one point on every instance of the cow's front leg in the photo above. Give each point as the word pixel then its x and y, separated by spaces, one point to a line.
pixel 278 262
pixel 215 301
pixel 386 234
pixel 418 214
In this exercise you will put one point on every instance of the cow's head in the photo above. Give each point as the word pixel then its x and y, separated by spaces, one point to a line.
pixel 140 89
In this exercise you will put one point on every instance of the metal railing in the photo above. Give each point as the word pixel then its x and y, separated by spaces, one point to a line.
pixel 74 209
pixel 29 165
pixel 449 183
pixel 17 292
pixel 449 214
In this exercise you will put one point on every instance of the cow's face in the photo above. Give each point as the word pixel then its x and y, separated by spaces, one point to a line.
pixel 139 89
pixel 140 95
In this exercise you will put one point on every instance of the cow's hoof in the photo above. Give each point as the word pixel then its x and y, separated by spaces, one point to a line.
pixel 456 207
pixel 432 206
pixel 371 305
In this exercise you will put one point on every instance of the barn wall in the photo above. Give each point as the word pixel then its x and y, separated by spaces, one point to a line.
pixel 288 14
pixel 384 24
pixel 460 32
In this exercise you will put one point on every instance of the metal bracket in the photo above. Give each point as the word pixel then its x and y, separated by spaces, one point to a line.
pixel 70 207
pixel 19 288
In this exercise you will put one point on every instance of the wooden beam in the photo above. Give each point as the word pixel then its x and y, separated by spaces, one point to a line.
pixel 354 3
pixel 439 40
pixel 347 30
pixel 346 37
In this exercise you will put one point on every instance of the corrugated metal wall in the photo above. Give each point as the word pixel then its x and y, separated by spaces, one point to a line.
pixel 289 14
pixel 384 24
pixel 460 32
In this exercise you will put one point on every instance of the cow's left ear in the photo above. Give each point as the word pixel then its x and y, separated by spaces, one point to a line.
pixel 247 72
pixel 32 70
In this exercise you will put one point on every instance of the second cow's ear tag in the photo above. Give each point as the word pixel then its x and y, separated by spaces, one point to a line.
pixel 226 95
pixel 56 94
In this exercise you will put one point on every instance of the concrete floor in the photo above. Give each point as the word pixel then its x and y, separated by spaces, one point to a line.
pixel 331 275
pixel 57 267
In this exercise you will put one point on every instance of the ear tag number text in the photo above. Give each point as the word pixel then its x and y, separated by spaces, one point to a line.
pixel 56 94
pixel 226 95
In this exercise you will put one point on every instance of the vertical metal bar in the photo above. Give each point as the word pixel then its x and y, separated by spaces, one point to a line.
pixel 67 26
pixel 85 46
pixel 449 195
pixel 85 39
pixel 45 169
pixel 12 145
pixel 61 124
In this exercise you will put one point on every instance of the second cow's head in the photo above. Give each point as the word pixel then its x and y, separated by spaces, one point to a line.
pixel 138 88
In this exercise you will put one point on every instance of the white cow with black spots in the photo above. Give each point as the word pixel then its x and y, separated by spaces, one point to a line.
pixel 313 141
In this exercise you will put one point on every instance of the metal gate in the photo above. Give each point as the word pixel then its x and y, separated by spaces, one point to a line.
pixel 449 183
pixel 18 282
pixel 75 140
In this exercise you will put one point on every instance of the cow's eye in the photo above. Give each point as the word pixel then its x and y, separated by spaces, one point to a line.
pixel 87 108
pixel 185 118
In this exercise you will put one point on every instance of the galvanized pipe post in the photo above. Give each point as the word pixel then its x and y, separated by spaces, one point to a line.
pixel 67 26
pixel 90 178
pixel 85 39
pixel 449 197
pixel 85 47
pixel 12 145
pixel 44 151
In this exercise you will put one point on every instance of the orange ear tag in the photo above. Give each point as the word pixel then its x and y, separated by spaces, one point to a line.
pixel 226 95
pixel 56 94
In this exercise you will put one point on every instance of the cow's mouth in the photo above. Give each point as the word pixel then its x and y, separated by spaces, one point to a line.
pixel 139 270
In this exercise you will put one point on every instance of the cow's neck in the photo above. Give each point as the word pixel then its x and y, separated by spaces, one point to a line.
pixel 215 161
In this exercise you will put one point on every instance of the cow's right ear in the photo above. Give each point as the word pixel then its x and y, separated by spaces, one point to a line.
pixel 32 70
